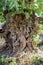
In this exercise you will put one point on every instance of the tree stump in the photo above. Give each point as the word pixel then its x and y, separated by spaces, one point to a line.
pixel 18 32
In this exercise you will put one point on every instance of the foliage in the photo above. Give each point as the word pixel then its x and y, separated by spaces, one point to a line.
pixel 2 19
pixel 39 8
pixel 13 62
pixel 36 37
pixel 37 62
pixel 36 59
pixel 22 6
pixel 3 60
pixel 41 28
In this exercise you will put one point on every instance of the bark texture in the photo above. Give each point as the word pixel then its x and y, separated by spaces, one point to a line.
pixel 18 32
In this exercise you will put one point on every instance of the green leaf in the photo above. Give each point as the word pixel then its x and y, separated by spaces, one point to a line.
pixel 2 19
pixel 27 15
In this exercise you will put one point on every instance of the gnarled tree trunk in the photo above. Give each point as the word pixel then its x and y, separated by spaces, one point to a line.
pixel 18 32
